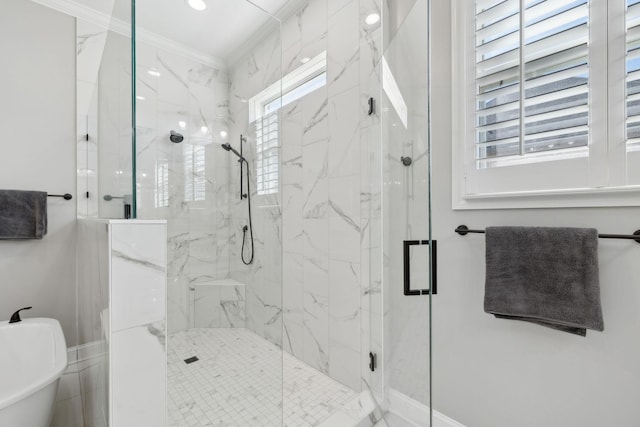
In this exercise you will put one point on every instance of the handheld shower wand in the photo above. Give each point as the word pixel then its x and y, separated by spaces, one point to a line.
pixel 243 196
pixel 228 147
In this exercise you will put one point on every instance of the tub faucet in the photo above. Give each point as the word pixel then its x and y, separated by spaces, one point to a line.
pixel 15 317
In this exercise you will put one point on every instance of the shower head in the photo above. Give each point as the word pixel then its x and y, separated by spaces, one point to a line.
pixel 228 147
pixel 175 137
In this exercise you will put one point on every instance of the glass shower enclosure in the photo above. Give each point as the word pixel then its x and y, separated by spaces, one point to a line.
pixel 287 146
pixel 404 255
pixel 207 161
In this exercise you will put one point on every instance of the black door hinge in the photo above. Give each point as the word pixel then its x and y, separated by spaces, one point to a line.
pixel 372 106
pixel 372 361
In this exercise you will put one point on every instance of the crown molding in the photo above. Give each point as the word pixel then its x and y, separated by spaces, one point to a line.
pixel 104 20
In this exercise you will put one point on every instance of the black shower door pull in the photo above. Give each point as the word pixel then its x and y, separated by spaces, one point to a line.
pixel 407 267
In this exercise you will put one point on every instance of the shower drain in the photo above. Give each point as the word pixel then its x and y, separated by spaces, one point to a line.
pixel 191 360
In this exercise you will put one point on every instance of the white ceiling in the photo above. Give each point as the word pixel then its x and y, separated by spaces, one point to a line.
pixel 220 30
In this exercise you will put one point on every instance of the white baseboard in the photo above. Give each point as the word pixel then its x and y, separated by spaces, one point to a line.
pixel 87 351
pixel 416 412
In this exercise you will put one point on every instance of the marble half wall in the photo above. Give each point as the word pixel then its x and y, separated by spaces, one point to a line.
pixel 122 289
pixel 137 339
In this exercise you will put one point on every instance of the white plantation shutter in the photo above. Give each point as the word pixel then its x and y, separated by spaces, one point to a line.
pixel 194 173
pixel 161 190
pixel 263 112
pixel 547 101
pixel 627 163
pixel 267 154
pixel 497 78
pixel 633 73
pixel 532 80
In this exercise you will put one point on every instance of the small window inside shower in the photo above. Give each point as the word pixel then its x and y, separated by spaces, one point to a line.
pixel 194 172
pixel 263 111
pixel 161 192
pixel 267 154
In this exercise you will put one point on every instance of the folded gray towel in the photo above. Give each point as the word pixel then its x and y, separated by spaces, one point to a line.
pixel 548 276
pixel 23 214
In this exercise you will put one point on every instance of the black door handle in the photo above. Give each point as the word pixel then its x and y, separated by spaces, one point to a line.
pixel 407 267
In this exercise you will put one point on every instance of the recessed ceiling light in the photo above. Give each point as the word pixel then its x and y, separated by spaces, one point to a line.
pixel 182 124
pixel 223 133
pixel 197 4
pixel 204 129
pixel 371 19
pixel 153 72
pixel 305 60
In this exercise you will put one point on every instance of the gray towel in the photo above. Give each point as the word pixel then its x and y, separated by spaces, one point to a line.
pixel 548 276
pixel 23 214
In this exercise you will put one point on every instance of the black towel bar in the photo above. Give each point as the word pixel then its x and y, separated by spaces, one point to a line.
pixel 66 196
pixel 463 230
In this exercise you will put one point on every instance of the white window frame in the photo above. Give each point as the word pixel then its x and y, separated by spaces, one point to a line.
pixel 161 188
pixel 312 68
pixel 602 176
pixel 194 172
pixel 265 103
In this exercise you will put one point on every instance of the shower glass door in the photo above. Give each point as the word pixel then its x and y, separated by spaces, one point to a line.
pixel 403 255
pixel 205 73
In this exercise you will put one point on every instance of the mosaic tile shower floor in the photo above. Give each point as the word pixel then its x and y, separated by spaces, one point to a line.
pixel 239 380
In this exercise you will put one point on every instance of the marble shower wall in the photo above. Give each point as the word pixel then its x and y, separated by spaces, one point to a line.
pixel 263 278
pixel 187 183
pixel 320 218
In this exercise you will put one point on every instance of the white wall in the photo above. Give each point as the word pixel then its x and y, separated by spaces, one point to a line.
pixel 499 373
pixel 37 152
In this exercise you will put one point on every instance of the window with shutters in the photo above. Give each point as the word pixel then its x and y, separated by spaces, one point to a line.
pixel 632 58
pixel 263 112
pixel 539 99
pixel 161 190
pixel 194 172
pixel 267 154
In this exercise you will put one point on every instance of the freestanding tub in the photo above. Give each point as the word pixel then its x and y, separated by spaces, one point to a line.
pixel 33 356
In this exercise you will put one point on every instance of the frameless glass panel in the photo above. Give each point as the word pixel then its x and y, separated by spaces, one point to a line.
pixel 405 259
pixel 104 176
pixel 105 90
pixel 104 112
pixel 210 166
